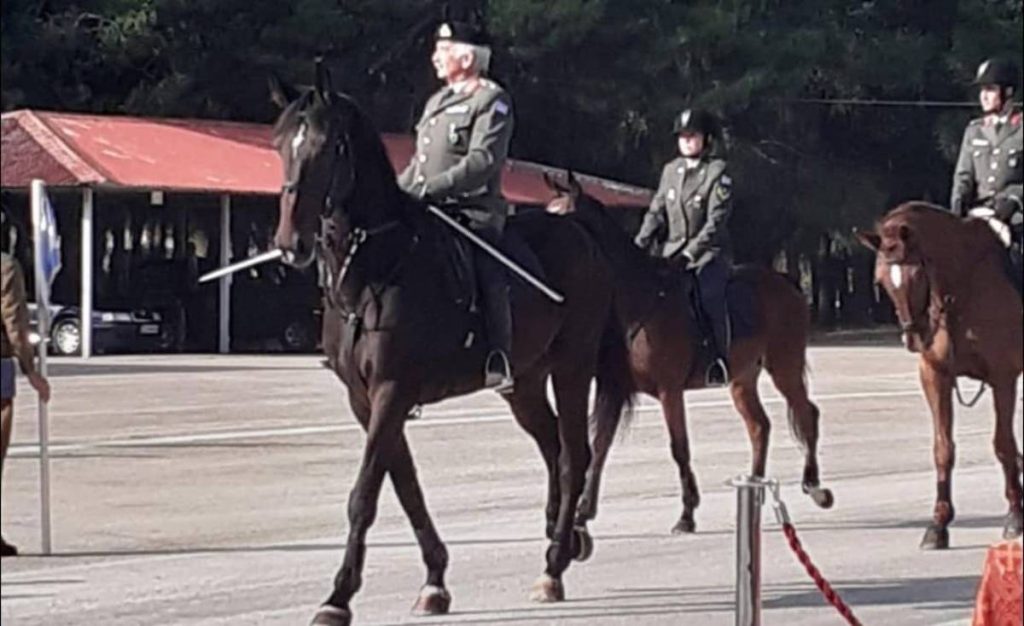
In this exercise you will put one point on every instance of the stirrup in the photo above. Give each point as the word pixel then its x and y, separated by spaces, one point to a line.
pixel 717 373
pixel 498 372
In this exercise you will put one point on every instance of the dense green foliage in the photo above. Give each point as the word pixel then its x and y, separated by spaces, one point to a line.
pixel 595 82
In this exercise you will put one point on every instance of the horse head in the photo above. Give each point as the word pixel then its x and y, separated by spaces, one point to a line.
pixel 907 274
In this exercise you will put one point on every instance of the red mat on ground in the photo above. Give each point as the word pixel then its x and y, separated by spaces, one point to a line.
pixel 1001 592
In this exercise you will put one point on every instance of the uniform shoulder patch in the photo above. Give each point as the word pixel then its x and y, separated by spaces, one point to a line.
pixel 724 187
pixel 501 107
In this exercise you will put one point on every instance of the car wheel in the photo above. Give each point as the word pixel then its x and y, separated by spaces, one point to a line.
pixel 297 337
pixel 66 337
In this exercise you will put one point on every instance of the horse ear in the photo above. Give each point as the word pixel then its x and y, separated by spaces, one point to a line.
pixel 323 86
pixel 282 93
pixel 575 188
pixel 869 239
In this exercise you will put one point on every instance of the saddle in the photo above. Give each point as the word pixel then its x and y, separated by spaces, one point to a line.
pixel 459 254
pixel 740 298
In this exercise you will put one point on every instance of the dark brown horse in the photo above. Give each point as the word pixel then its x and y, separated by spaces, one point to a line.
pixel 958 309
pixel 665 363
pixel 398 337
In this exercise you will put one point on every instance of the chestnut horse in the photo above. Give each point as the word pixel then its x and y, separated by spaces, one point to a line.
pixel 959 310
pixel 397 338
pixel 665 361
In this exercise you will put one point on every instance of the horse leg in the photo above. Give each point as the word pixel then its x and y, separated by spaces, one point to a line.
pixel 748 403
pixel 571 395
pixel 385 429
pixel 1004 394
pixel 592 486
pixel 434 598
pixel 533 413
pixel 938 389
pixel 673 407
pixel 803 421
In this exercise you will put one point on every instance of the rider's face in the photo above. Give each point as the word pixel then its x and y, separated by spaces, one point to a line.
pixel 991 98
pixel 451 60
pixel 691 144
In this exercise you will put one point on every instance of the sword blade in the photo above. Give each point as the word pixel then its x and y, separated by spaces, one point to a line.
pixel 498 255
pixel 241 265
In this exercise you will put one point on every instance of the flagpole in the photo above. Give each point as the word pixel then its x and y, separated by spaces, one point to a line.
pixel 43 321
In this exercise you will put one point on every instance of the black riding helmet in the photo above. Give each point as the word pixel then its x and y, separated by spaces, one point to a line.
pixel 695 121
pixel 1000 71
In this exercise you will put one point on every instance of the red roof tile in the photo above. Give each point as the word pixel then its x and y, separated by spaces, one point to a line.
pixel 71 149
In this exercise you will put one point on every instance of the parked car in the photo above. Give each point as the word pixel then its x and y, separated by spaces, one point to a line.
pixel 275 308
pixel 139 330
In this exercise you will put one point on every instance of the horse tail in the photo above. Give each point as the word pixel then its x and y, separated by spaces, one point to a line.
pixel 616 389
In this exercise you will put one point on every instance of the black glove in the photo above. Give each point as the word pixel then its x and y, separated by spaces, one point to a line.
pixel 1005 207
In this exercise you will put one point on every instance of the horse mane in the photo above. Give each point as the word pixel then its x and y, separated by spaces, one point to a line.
pixel 949 243
pixel 638 269
pixel 376 175
pixel 937 230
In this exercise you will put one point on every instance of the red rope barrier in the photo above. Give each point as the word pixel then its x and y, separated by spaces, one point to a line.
pixel 831 595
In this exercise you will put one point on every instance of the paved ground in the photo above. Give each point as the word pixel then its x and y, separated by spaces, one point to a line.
pixel 212 490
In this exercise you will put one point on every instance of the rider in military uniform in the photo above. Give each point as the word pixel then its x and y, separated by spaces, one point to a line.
pixel 989 172
pixel 688 216
pixel 462 142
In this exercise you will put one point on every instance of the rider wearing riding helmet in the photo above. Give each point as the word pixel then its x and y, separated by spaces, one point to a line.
pixel 688 219
pixel 989 173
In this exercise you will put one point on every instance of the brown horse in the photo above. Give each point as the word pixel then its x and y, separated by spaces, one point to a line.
pixel 958 309
pixel 397 337
pixel 665 362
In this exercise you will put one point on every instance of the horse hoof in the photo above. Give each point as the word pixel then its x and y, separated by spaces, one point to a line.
pixel 935 538
pixel 822 497
pixel 685 526
pixel 332 616
pixel 584 544
pixel 547 589
pixel 433 600
pixel 1014 526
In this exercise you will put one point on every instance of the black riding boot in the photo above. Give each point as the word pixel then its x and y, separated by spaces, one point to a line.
pixel 712 280
pixel 494 290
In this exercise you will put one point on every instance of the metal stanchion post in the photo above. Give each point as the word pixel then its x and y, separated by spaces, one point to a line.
pixel 750 496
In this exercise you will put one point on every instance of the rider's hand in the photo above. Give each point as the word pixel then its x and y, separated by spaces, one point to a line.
pixel 1005 207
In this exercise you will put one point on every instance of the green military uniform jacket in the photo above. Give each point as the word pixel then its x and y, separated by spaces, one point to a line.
pixel 990 163
pixel 462 142
pixel 14 341
pixel 690 211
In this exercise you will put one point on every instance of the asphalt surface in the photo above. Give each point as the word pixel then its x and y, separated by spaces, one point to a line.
pixel 202 490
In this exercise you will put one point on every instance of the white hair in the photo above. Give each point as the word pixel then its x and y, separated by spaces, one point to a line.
pixel 481 56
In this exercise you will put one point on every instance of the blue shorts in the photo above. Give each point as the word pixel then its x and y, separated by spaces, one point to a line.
pixel 7 385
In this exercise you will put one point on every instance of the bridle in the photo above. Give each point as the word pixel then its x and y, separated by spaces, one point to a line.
pixel 937 310
pixel 325 241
